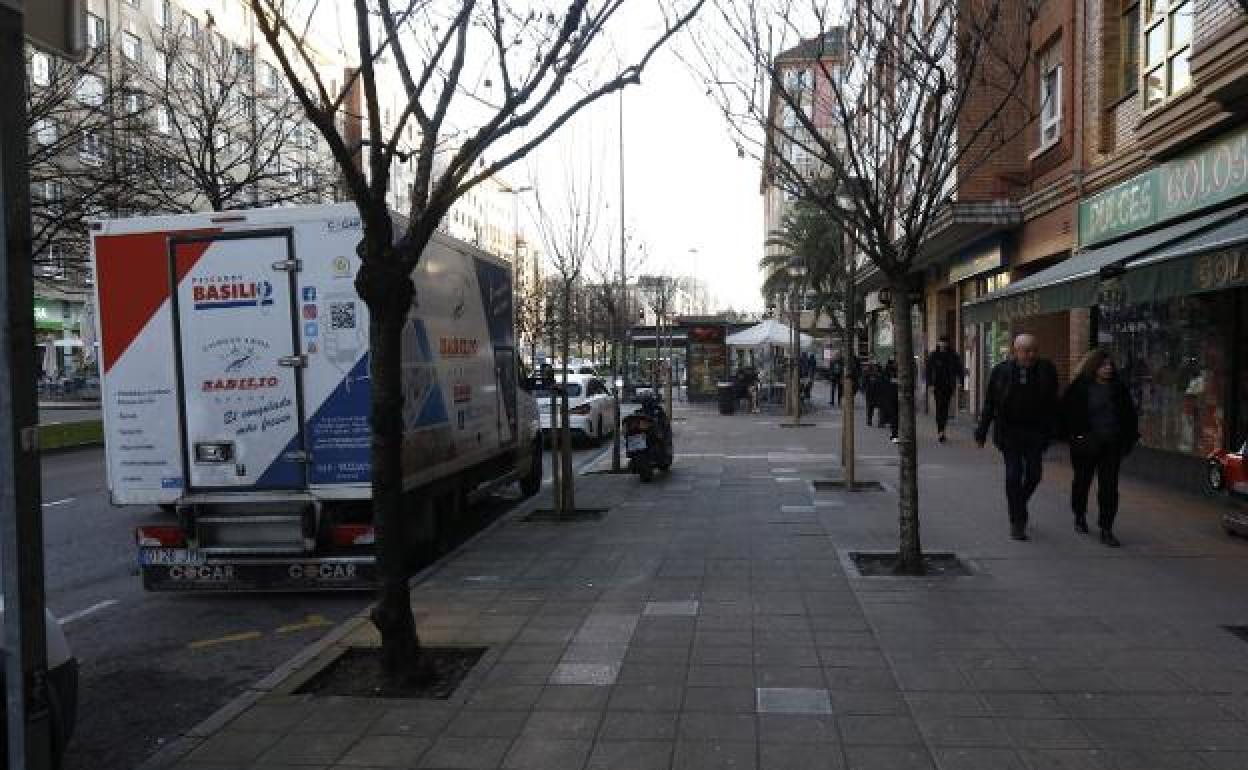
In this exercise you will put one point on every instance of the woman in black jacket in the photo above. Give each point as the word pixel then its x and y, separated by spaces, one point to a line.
pixel 1099 419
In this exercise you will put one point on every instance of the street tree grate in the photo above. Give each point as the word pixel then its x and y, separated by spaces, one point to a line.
pixel 551 516
pixel 357 673
pixel 884 564
pixel 862 485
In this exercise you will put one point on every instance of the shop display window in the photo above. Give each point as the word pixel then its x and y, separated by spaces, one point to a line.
pixel 1176 357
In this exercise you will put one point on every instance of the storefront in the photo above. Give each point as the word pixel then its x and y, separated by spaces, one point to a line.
pixel 1162 275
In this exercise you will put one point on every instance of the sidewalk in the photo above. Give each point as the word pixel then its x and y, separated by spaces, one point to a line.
pixel 708 622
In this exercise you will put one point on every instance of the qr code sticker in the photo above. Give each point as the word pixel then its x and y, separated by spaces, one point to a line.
pixel 342 315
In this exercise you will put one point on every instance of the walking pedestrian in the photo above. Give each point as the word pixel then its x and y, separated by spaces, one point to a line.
pixel 1021 399
pixel 871 390
pixel 836 372
pixel 1097 416
pixel 943 373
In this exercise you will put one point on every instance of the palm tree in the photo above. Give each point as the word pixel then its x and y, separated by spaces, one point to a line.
pixel 807 238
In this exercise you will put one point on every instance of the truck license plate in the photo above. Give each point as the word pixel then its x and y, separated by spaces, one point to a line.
pixel 167 556
pixel 635 443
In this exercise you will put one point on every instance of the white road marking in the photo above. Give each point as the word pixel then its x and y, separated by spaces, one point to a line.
pixel 59 502
pixel 80 614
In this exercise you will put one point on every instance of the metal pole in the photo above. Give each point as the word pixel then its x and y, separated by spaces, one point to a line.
pixel 848 400
pixel 21 522
pixel 621 310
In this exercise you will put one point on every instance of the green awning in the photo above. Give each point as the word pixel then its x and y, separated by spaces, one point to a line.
pixel 1180 259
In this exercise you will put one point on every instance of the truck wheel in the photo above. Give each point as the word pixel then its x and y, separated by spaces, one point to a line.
pixel 531 484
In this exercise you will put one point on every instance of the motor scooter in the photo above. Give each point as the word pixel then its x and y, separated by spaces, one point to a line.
pixel 1227 472
pixel 648 438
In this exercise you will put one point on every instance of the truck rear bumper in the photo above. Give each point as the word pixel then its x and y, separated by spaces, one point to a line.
pixel 180 569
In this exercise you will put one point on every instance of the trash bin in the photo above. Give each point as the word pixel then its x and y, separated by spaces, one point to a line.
pixel 727 397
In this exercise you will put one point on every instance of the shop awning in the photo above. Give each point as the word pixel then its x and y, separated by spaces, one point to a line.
pixel 1076 281
pixel 1210 261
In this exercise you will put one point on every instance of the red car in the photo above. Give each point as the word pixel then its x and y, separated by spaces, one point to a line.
pixel 1228 472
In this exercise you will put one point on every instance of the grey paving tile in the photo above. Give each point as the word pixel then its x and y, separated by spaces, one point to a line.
pixel 662 654
pixel 651 673
pixel 878 730
pixel 639 726
pixel 1027 705
pixel 505 697
pixel 411 721
pixel 978 759
pixel 1224 760
pixel 309 748
pixel 720 676
pixel 264 717
pixel 465 753
pixel 710 726
pixel 562 724
pixel 868 702
pixel 1121 759
pixel 385 751
pixel 482 723
pixel 598 674
pixel 789 677
pixel 931 705
pixel 687 607
pixel 786 655
pixel 1066 759
pixel 964 731
pixel 631 755
pixel 646 697
pixel 722 655
pixel 1047 734
pixel 1131 733
pixel 237 747
pixel 706 755
pixel 541 753
pixel 888 758
pixel 573 698
pixel 797 728
pixel 793 700
pixel 785 756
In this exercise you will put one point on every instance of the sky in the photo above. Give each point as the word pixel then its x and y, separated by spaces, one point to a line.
pixel 685 186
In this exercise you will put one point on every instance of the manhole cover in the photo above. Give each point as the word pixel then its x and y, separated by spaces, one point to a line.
pixel 884 564
pixel 862 485
pixel 357 673
pixel 566 517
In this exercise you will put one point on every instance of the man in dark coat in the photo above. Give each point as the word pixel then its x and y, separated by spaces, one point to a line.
pixel 1021 399
pixel 871 379
pixel 943 373
pixel 836 373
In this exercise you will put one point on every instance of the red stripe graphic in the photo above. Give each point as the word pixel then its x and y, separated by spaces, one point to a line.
pixel 132 277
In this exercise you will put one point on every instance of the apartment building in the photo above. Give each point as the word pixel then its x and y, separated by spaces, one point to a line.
pixel 1132 187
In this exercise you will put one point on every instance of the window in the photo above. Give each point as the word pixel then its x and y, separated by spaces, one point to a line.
pixel 164 120
pixel 164 13
pixel 97 35
pixel 190 25
pixel 159 64
pixel 268 76
pixel 133 103
pixel 132 3
pixel 40 69
pixel 1129 34
pixel 90 90
pixel 168 172
pixel 46 131
pixel 242 59
pixel 1167 49
pixel 131 46
pixel 53 196
pixel 91 150
pixel 1050 95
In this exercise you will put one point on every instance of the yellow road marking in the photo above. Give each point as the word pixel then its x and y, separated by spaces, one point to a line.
pixel 311 621
pixel 245 636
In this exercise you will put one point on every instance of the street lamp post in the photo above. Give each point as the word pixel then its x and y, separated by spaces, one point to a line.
pixel 621 312
pixel 516 268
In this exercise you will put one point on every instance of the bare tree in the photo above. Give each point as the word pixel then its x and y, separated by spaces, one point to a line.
pixel 443 52
pixel 78 122
pixel 570 233
pixel 225 131
pixel 611 296
pixel 875 111
pixel 660 289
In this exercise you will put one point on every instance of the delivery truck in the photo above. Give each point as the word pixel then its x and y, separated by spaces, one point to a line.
pixel 235 386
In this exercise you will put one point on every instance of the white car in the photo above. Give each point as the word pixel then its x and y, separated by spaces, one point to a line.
pixel 591 407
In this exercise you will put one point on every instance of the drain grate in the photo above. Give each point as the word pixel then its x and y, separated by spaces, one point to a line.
pixel 1240 631
pixel 551 516
pixel 866 485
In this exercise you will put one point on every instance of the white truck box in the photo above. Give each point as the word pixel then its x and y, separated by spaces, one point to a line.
pixel 235 387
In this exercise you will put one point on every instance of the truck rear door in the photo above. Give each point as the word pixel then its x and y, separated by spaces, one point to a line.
pixel 239 362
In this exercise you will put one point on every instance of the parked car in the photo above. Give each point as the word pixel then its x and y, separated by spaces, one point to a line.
pixel 62 689
pixel 591 407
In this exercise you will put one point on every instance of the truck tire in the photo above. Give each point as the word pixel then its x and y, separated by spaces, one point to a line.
pixel 532 484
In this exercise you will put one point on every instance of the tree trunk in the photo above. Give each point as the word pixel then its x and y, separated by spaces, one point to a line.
pixel 388 294
pixel 565 432
pixel 910 552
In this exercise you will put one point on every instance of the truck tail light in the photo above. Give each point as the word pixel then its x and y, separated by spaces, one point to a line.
pixel 162 536
pixel 346 535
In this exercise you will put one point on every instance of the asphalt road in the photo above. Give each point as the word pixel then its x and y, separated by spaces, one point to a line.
pixel 153 665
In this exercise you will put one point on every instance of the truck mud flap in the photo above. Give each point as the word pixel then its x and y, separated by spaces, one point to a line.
pixel 268 575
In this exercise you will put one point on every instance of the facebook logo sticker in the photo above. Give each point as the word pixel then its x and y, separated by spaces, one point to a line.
pixel 309 294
